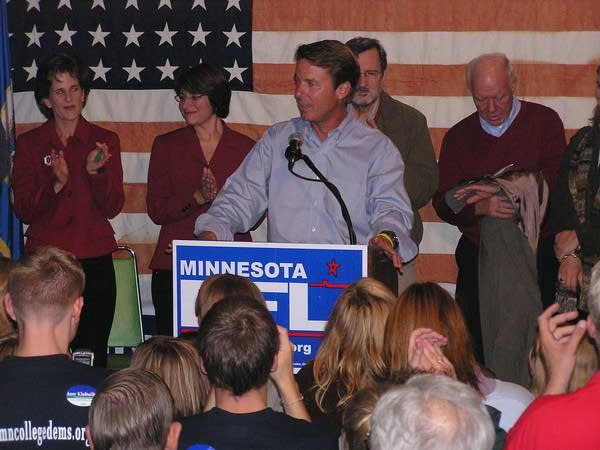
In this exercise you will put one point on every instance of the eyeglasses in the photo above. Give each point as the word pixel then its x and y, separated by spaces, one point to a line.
pixel 180 98
pixel 370 74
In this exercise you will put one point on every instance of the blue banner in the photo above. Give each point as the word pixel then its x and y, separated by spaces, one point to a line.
pixel 300 282
pixel 11 236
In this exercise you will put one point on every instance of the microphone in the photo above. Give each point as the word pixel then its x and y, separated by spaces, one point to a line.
pixel 294 152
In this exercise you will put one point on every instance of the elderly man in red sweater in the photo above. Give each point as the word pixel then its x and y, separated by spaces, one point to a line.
pixel 503 131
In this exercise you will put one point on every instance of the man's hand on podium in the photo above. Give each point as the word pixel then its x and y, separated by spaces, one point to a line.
pixel 385 245
pixel 207 236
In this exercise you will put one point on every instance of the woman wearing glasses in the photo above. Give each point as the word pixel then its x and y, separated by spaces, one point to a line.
pixel 187 167
pixel 67 183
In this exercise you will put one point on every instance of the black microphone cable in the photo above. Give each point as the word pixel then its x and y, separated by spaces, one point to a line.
pixel 294 153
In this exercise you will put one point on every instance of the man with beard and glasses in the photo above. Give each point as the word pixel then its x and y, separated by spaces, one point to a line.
pixel 407 129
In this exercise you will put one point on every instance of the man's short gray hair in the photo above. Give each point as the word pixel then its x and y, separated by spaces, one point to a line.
pixel 431 412
pixel 491 58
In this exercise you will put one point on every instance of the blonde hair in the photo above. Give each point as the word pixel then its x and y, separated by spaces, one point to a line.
pixel 586 364
pixel 45 283
pixel 427 305
pixel 356 420
pixel 132 409
pixel 177 362
pixel 351 353
pixel 220 286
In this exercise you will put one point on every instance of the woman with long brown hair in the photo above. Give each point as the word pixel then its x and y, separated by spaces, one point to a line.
pixel 428 306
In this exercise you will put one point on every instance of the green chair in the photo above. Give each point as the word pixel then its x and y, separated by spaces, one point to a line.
pixel 126 332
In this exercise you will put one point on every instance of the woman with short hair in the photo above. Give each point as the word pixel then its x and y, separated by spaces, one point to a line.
pixel 187 168
pixel 67 183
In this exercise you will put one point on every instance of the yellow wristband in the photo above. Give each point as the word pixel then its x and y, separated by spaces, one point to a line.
pixel 387 238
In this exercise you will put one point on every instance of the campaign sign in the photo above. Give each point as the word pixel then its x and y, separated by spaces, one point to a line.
pixel 300 282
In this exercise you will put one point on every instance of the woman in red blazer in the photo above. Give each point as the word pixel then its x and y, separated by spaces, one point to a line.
pixel 187 166
pixel 67 183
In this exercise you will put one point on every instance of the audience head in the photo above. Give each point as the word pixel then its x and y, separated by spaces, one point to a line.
pixel 356 419
pixel 205 79
pixel 427 305
pixel 586 364
pixel 46 286
pixel 5 266
pixel 238 341
pixel 60 63
pixel 336 58
pixel 177 362
pixel 357 414
pixel 217 287
pixel 430 412
pixel 491 80
pixel 351 353
pixel 133 409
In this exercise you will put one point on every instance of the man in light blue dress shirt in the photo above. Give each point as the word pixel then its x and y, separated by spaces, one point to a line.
pixel 365 166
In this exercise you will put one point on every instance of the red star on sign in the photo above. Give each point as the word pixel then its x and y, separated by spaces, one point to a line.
pixel 332 268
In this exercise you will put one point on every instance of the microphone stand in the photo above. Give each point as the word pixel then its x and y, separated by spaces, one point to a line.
pixel 332 187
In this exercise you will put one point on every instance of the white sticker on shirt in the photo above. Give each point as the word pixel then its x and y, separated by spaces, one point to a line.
pixel 81 395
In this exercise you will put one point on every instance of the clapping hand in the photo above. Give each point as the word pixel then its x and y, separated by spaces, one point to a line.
pixel 425 353
pixel 208 186
pixel 97 158
pixel 60 169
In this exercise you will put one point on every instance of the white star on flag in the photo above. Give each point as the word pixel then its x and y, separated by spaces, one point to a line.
pixel 66 3
pixel 31 71
pixel 235 71
pixel 167 70
pixel 99 36
pixel 33 4
pixel 34 37
pixel 233 37
pixel 133 71
pixel 65 35
pixel 132 36
pixel 199 35
pixel 100 71
pixel 233 4
pixel 166 36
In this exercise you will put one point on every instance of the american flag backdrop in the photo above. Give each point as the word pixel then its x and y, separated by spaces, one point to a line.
pixel 135 47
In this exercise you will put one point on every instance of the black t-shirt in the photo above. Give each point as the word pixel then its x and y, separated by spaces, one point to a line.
pixel 44 402
pixel 264 430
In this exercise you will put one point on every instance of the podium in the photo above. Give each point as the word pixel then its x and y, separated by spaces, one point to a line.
pixel 300 282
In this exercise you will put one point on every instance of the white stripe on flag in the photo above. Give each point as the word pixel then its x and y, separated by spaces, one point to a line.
pixel 265 109
pixel 442 47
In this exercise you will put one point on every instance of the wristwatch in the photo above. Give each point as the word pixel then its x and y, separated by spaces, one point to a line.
pixel 392 237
